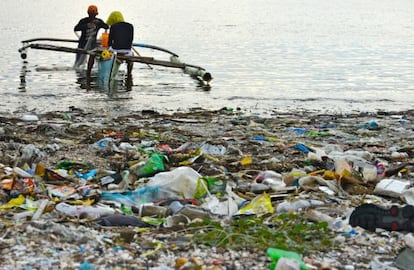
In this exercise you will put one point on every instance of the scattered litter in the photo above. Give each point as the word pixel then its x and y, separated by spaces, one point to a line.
pixel 178 192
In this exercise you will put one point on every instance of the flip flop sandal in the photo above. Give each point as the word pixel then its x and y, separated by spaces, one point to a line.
pixel 371 216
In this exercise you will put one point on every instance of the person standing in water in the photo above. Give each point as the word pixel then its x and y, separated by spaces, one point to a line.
pixel 121 36
pixel 89 27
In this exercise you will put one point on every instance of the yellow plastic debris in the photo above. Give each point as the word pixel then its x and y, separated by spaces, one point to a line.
pixel 246 161
pixel 260 205
pixel 14 202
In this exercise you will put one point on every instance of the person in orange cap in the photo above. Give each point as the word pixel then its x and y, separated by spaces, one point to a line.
pixel 89 27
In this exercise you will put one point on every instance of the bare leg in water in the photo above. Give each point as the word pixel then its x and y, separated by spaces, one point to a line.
pixel 130 65
pixel 91 61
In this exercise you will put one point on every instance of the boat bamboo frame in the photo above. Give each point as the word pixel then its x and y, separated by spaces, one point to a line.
pixel 193 70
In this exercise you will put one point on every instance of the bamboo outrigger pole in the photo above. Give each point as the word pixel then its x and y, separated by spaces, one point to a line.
pixel 192 70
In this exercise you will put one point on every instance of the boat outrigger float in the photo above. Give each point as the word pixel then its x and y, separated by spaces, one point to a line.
pixel 108 62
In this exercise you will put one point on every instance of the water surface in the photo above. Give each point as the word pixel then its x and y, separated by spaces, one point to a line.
pixel 264 55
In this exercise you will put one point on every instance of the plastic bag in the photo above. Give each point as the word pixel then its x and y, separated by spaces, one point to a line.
pixel 153 165
pixel 183 181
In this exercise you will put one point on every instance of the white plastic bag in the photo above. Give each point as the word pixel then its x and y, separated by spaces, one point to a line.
pixel 183 181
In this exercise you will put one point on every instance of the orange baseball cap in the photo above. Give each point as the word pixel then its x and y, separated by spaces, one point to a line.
pixel 92 9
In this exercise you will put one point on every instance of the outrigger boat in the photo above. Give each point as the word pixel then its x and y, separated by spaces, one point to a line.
pixel 109 63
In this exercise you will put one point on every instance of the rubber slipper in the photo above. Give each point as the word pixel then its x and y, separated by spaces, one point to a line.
pixel 394 218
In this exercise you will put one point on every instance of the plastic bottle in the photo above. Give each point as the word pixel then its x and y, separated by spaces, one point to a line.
pixel 22 173
pixel 105 39
pixel 275 254
pixel 272 179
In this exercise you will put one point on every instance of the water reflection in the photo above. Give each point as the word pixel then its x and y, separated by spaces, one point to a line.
pixel 118 86
pixel 121 84
pixel 23 71
pixel 201 84
pixel 81 78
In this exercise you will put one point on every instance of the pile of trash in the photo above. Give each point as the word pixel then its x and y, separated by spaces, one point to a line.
pixel 99 191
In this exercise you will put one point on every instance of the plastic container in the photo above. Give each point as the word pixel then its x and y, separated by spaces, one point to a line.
pixel 105 39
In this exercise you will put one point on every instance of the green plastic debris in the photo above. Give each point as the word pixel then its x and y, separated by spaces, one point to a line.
pixel 152 166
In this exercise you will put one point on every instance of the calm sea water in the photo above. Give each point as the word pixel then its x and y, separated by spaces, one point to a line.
pixel 264 55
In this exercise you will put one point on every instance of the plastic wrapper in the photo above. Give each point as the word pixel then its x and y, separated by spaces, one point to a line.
pixel 260 205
